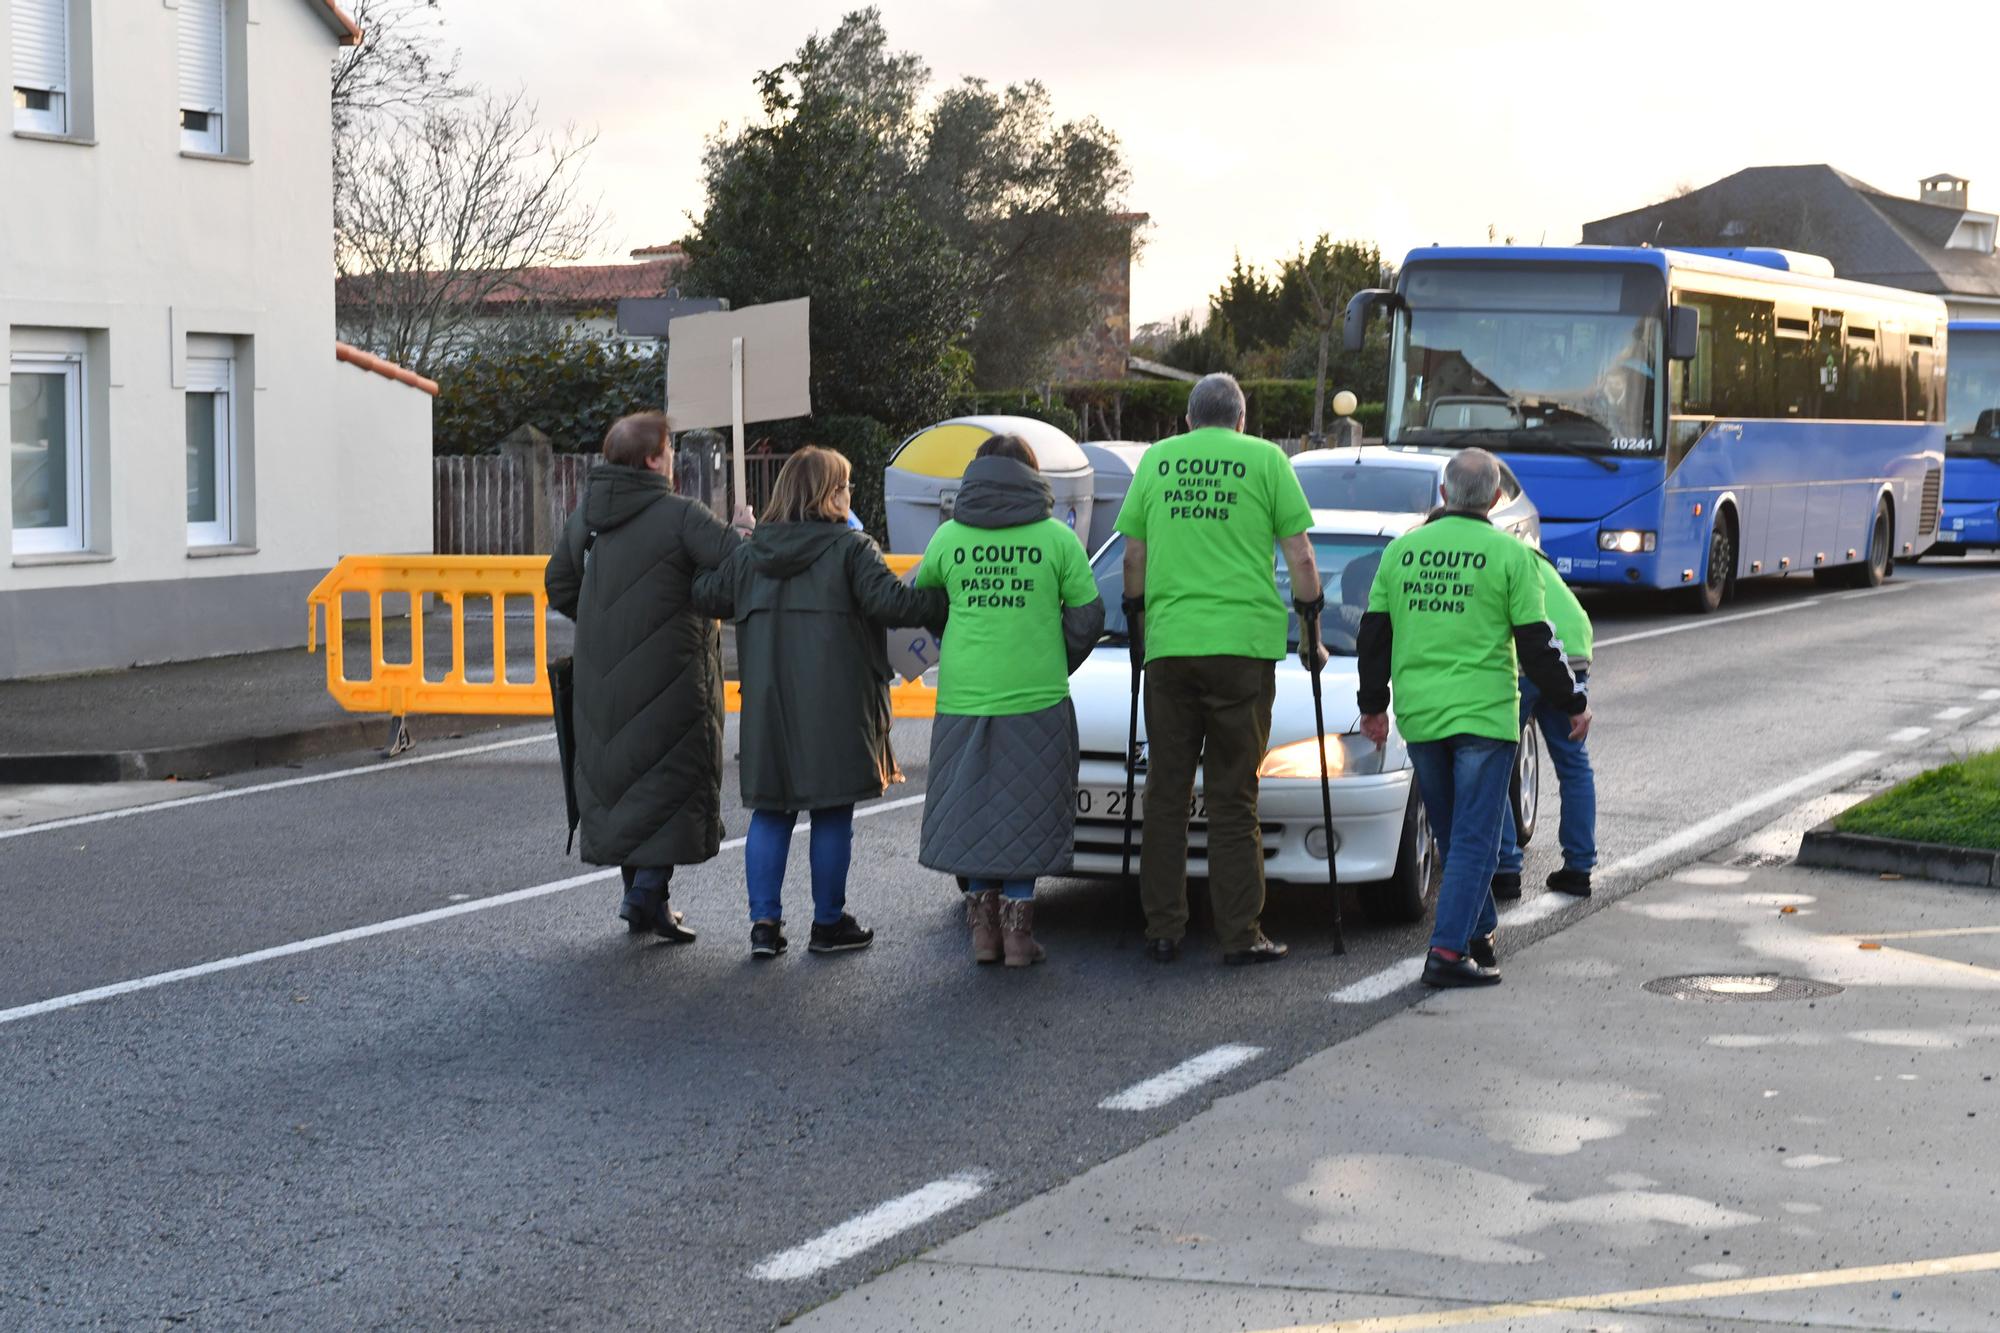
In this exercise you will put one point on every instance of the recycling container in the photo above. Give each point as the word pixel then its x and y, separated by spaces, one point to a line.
pixel 920 485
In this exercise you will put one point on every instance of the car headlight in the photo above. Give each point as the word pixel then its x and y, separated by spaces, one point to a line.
pixel 1348 755
pixel 1625 541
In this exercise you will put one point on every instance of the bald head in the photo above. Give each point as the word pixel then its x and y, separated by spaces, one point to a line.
pixel 1471 481
pixel 637 440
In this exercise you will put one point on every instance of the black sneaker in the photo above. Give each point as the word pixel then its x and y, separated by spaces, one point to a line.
pixel 767 939
pixel 840 937
pixel 1576 883
pixel 1446 973
pixel 1164 951
pixel 1507 885
pixel 1481 951
pixel 1263 951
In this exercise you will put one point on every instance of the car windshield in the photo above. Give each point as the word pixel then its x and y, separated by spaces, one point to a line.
pixel 1346 570
pixel 1383 489
pixel 1972 395
pixel 1555 358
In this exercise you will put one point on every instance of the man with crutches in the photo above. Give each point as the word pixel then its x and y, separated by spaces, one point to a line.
pixel 1201 595
pixel 1455 616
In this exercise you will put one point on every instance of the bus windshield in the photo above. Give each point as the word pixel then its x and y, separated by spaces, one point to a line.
pixel 1556 358
pixel 1972 395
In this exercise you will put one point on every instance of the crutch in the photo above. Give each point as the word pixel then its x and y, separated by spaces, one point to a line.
pixel 1309 643
pixel 1134 631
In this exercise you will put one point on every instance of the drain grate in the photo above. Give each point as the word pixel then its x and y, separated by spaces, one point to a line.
pixel 1723 986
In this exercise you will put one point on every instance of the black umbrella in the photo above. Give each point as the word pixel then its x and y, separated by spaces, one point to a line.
pixel 562 694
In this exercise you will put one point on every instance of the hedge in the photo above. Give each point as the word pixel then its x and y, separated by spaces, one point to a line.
pixel 1148 410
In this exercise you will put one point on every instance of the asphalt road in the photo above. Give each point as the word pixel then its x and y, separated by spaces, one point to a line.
pixel 517 1117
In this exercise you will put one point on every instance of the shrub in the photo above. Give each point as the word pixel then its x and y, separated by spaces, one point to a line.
pixel 571 389
pixel 1147 410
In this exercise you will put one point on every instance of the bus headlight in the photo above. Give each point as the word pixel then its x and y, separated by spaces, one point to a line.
pixel 1625 541
pixel 1350 755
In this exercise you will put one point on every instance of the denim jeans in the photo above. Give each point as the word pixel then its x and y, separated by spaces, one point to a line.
pixel 1463 780
pixel 1006 888
pixel 1577 828
pixel 646 886
pixel 769 846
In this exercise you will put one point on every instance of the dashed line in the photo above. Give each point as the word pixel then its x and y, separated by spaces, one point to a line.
pixel 880 1223
pixel 1904 735
pixel 1695 834
pixel 1535 909
pixel 1378 985
pixel 1989 696
pixel 1950 714
pixel 1182 1079
pixel 1707 623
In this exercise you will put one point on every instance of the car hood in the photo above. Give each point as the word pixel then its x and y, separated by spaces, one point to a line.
pixel 1102 692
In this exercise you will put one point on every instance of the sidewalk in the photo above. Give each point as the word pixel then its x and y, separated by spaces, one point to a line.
pixel 1571 1138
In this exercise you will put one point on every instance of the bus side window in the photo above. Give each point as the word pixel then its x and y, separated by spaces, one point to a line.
pixel 1922 392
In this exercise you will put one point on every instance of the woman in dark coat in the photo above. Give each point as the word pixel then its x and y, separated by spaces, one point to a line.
pixel 1025 611
pixel 811 599
pixel 648 670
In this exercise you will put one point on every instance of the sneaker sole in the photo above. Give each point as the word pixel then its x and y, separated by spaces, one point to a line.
pixel 765 954
pixel 838 948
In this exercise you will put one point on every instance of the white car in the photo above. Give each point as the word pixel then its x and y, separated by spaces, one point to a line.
pixel 1403 479
pixel 1380 833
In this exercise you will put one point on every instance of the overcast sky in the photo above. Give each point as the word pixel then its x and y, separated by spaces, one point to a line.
pixel 1255 124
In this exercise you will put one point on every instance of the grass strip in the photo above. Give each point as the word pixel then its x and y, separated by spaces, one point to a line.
pixel 1957 805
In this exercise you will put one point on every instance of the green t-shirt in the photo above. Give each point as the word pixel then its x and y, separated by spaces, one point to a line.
pixel 1210 506
pixel 1003 646
pixel 1454 589
pixel 1572 623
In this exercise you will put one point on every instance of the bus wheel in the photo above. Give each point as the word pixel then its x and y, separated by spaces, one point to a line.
pixel 1718 582
pixel 1880 562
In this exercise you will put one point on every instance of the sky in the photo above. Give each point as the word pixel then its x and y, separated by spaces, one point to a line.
pixel 1255 125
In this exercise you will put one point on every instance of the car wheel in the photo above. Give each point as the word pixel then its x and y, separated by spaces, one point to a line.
pixel 1408 895
pixel 1525 790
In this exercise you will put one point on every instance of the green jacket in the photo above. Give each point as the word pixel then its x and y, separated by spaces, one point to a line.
pixel 648 669
pixel 811 602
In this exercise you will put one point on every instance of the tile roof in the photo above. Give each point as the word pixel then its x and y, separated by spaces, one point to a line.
pixel 368 361
pixel 570 287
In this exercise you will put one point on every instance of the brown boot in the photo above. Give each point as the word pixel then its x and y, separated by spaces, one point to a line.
pixel 982 913
pixel 1017 923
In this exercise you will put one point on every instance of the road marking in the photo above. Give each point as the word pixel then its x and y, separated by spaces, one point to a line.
pixel 318 942
pixel 1692 1291
pixel 1379 984
pixel 1536 908
pixel 1945 933
pixel 178 803
pixel 1904 735
pixel 1875 592
pixel 1695 834
pixel 1985 696
pixel 1183 1078
pixel 871 1228
pixel 1944 714
pixel 1705 623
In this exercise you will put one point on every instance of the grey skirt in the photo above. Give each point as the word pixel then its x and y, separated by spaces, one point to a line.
pixel 1002 795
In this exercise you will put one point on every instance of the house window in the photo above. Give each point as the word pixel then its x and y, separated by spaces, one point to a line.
pixel 204 74
pixel 41 66
pixel 46 456
pixel 211 451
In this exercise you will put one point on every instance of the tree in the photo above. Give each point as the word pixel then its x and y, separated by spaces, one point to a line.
pixel 397 72
pixel 1330 274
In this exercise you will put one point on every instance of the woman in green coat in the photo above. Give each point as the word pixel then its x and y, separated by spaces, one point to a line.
pixel 810 600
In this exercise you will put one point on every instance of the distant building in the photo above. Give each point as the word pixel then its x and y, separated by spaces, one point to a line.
pixel 1935 243
pixel 1103 350
pixel 189 450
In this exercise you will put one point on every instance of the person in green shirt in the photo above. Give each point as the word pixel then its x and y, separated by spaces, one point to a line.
pixel 1455 616
pixel 1577 830
pixel 1205 620
pixel 1001 805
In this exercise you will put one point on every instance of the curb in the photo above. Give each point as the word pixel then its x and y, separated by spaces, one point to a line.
pixel 1829 848
pixel 232 754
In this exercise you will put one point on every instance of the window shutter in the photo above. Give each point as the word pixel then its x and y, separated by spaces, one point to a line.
pixel 204 64
pixel 208 374
pixel 41 45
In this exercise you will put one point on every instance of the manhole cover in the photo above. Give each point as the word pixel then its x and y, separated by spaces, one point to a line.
pixel 1719 986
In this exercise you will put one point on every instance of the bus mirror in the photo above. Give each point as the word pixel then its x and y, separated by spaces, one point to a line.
pixel 1355 331
pixel 1683 333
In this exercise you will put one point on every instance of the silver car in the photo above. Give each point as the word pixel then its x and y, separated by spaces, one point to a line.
pixel 1403 479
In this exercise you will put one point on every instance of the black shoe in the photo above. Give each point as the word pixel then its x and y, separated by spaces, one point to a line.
pixel 1481 951
pixel 1445 973
pixel 637 916
pixel 840 937
pixel 767 939
pixel 1507 886
pixel 1164 951
pixel 1576 883
pixel 1263 951
pixel 671 926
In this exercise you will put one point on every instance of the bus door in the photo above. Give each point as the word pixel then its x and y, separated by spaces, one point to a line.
pixel 1830 446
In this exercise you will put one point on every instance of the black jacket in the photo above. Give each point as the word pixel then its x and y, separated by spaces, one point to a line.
pixel 1001 493
pixel 648 669
pixel 811 602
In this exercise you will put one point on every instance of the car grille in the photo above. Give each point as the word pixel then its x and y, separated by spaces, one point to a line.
pixel 1107 837
pixel 1927 513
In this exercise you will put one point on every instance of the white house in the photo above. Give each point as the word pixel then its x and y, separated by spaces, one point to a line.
pixel 189 448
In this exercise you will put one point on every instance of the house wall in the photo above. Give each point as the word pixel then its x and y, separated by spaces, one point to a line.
pixel 139 245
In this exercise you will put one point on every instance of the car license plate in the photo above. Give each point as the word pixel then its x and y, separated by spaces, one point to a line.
pixel 1948 536
pixel 1109 803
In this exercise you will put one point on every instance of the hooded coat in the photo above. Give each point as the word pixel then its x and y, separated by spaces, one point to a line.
pixel 1001 802
pixel 648 669
pixel 811 602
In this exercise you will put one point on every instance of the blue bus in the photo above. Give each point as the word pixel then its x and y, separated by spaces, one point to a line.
pixel 1971 518
pixel 1682 419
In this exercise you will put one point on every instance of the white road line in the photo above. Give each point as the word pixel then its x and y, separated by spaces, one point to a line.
pixel 181 802
pixel 1536 908
pixel 1904 735
pixel 1875 592
pixel 883 1222
pixel 1379 984
pixel 1985 697
pixel 1942 715
pixel 1183 1078
pixel 1696 834
pixel 1705 623
pixel 318 942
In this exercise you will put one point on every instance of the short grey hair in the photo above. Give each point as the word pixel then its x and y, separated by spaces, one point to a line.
pixel 1471 479
pixel 1215 400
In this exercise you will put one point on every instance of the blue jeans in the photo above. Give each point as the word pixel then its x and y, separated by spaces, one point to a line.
pixel 646 886
pixel 1007 888
pixel 1463 780
pixel 768 847
pixel 1577 829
